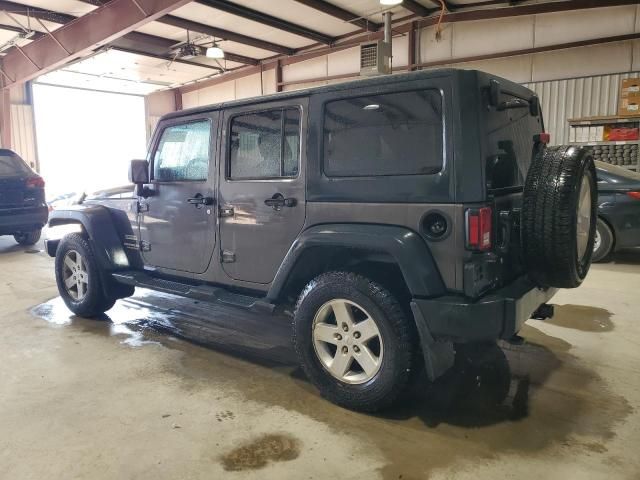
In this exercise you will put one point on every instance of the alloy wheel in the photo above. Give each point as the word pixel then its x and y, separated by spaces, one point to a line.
pixel 75 275
pixel 347 341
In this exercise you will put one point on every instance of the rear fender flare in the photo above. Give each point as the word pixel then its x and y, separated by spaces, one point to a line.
pixel 407 248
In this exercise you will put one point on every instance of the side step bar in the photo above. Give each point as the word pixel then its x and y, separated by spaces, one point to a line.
pixel 199 292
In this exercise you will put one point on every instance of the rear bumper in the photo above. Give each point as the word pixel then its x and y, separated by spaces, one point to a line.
pixel 499 315
pixel 15 220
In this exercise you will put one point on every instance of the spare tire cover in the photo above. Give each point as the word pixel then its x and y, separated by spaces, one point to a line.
pixel 559 216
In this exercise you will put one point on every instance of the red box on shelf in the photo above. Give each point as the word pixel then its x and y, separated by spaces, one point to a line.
pixel 619 134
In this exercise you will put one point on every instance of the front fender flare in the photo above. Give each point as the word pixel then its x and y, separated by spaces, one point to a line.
pixel 100 226
pixel 407 248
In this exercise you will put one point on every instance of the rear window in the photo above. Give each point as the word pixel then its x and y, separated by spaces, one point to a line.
pixel 383 135
pixel 12 165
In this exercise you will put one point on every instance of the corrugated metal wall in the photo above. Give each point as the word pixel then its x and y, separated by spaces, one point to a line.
pixel 23 140
pixel 577 97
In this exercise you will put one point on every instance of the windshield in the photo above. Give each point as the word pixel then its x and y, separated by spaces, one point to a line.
pixel 11 164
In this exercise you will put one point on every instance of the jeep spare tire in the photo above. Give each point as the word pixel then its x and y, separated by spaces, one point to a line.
pixel 559 216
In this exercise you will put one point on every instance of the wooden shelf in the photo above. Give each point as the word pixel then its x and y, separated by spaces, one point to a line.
pixel 611 142
pixel 599 120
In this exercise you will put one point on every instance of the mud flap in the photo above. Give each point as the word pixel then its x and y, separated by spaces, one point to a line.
pixel 439 356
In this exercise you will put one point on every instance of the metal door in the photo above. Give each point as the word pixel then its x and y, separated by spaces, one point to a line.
pixel 261 193
pixel 178 221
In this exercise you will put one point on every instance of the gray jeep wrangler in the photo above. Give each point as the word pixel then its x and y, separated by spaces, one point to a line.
pixel 401 218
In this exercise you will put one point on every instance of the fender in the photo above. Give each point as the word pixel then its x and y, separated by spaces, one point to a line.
pixel 406 247
pixel 101 225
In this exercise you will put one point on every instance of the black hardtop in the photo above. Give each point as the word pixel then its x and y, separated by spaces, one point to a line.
pixel 471 76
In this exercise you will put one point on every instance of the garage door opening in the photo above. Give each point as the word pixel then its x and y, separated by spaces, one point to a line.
pixel 87 138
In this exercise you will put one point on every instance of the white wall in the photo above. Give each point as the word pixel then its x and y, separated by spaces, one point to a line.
pixel 249 86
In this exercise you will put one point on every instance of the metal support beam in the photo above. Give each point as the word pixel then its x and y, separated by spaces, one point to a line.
pixel 5 118
pixel 412 47
pixel 342 14
pixel 418 8
pixel 36 12
pixel 219 33
pixel 81 36
pixel 279 76
pixel 263 18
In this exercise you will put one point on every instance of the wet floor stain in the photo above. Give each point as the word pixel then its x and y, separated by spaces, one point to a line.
pixel 582 317
pixel 260 452
pixel 529 400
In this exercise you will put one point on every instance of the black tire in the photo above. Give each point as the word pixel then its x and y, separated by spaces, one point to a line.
pixel 396 332
pixel 28 238
pixel 550 218
pixel 602 252
pixel 95 302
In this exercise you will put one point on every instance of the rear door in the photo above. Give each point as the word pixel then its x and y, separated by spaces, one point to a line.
pixel 177 222
pixel 262 187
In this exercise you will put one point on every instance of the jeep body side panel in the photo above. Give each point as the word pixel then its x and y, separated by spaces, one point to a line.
pixel 405 246
pixel 108 230
pixel 446 251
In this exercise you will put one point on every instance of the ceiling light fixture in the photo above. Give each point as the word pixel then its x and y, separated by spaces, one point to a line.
pixel 390 2
pixel 215 52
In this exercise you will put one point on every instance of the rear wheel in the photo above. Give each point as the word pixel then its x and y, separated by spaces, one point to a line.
pixel 28 238
pixel 603 243
pixel 353 340
pixel 78 277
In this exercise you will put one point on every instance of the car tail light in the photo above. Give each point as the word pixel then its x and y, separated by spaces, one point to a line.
pixel 35 182
pixel 635 195
pixel 479 228
pixel 543 137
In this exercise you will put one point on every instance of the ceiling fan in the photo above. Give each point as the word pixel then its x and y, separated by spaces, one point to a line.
pixel 189 49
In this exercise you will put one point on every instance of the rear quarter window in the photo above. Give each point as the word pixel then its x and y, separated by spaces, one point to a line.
pixel 12 165
pixel 384 135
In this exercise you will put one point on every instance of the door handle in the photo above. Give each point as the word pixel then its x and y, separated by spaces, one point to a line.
pixel 200 200
pixel 278 201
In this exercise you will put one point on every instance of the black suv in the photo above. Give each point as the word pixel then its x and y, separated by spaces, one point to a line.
pixel 23 210
pixel 401 218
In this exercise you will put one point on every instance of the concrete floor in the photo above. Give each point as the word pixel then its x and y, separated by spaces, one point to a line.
pixel 129 397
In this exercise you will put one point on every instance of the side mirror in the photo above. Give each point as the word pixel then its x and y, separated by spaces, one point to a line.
pixel 139 175
pixel 139 172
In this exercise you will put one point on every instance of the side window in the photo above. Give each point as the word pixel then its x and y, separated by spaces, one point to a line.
pixel 382 135
pixel 183 153
pixel 265 145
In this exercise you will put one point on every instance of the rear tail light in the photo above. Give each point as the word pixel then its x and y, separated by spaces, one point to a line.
pixel 635 195
pixel 35 182
pixel 479 228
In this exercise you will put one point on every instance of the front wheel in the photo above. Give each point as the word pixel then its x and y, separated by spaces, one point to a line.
pixel 78 278
pixel 354 341
pixel 28 238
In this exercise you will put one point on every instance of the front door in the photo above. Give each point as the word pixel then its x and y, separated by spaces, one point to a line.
pixel 262 204
pixel 178 221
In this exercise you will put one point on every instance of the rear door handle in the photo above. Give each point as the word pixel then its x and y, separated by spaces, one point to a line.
pixel 199 200
pixel 278 201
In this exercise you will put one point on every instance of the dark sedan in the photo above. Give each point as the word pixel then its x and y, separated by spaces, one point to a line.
pixel 618 210
pixel 23 210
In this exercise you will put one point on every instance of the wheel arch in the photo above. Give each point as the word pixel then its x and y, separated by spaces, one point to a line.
pixel 609 224
pixel 390 253
pixel 99 228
